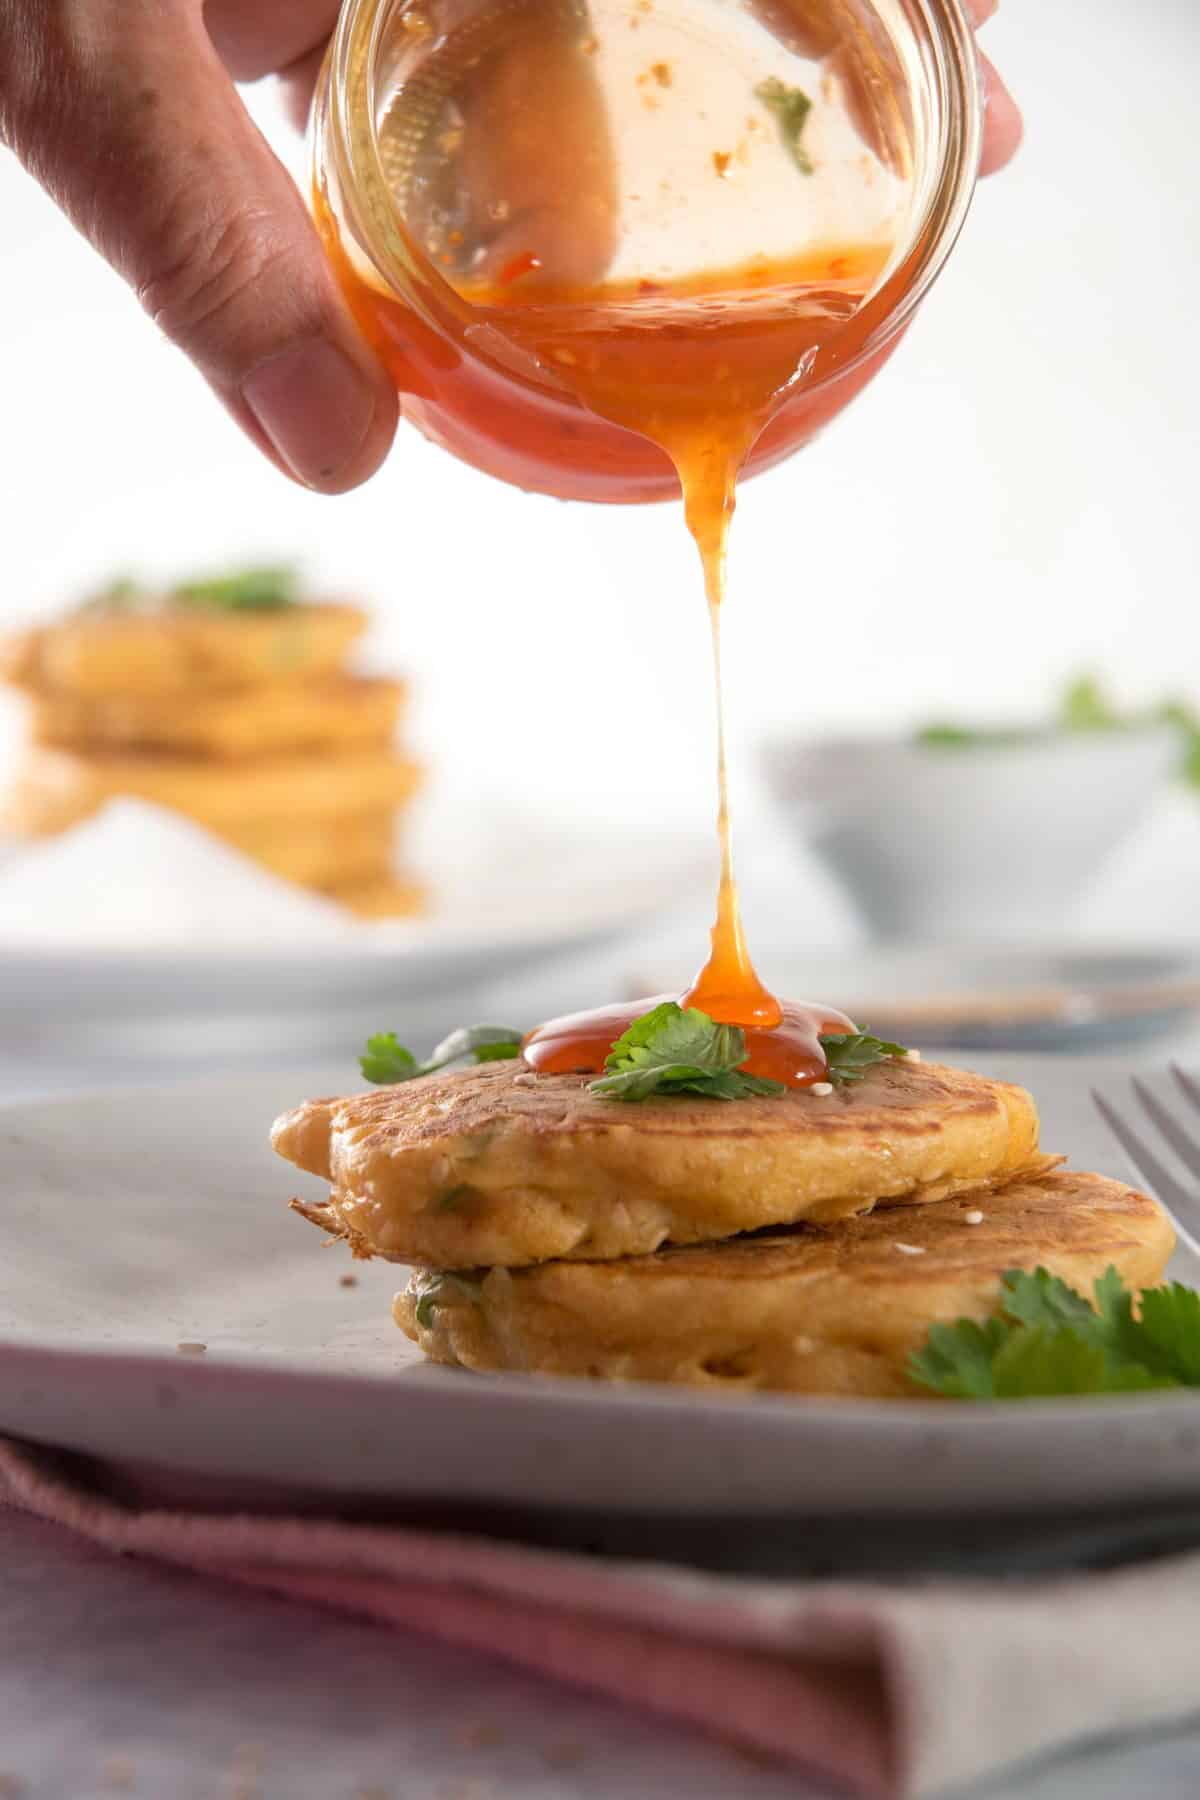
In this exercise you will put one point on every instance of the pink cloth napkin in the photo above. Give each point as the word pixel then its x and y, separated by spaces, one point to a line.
pixel 891 1691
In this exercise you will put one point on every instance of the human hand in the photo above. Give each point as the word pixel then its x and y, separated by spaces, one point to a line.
pixel 126 112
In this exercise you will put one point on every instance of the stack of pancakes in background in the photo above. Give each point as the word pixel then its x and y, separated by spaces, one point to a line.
pixel 228 701
pixel 801 1242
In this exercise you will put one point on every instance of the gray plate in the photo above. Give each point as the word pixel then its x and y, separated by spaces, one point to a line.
pixel 142 1221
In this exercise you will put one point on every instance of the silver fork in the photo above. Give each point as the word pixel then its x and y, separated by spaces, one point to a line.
pixel 1180 1200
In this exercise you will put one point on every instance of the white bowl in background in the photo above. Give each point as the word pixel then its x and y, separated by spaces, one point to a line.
pixel 988 840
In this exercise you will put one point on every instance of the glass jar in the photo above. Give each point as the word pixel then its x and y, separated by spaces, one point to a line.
pixel 478 161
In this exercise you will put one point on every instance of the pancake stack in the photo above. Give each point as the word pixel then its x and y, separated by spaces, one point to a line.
pixel 799 1242
pixel 229 702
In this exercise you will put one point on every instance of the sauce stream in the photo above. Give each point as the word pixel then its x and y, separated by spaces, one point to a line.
pixel 703 395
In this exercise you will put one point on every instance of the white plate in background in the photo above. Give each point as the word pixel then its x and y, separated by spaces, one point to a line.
pixel 138 1222
pixel 185 927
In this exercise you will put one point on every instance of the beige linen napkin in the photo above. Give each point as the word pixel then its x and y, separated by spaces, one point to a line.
pixel 888 1690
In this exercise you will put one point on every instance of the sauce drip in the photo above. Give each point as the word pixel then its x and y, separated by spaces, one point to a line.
pixel 728 987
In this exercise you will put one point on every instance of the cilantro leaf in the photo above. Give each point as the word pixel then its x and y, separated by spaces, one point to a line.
pixel 1168 1331
pixel 942 736
pixel 945 735
pixel 1037 1363
pixel 386 1061
pixel 266 588
pixel 1042 1301
pixel 673 1033
pixel 679 1050
pixel 1048 1339
pixel 850 1054
pixel 957 1359
pixel 1186 721
pixel 1086 707
pixel 791 107
pixel 262 588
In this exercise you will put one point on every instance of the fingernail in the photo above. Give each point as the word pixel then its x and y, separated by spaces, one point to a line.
pixel 315 405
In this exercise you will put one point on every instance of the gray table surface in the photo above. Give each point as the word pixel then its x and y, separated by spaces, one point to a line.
pixel 123 1677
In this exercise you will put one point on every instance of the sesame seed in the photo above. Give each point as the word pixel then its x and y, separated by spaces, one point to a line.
pixel 821 1088
pixel 910 1249
pixel 524 1080
pixel 973 1218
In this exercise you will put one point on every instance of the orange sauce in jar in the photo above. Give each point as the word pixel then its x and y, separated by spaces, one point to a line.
pixel 488 375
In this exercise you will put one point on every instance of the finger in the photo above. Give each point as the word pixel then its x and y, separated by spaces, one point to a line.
pixel 253 39
pixel 1003 127
pixel 150 151
pixel 298 84
pixel 534 109
pixel 805 27
pixel 980 11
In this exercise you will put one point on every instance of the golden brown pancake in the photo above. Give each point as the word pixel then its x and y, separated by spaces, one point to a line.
pixel 322 712
pixel 99 653
pixel 384 897
pixel 497 1166
pixel 357 851
pixel 812 1310
pixel 56 789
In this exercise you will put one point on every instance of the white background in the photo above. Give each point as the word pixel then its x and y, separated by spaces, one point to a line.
pixel 1015 497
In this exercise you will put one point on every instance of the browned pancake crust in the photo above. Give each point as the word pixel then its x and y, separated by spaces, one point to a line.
pixel 322 853
pixel 495 1166
pixel 337 712
pixel 57 789
pixel 383 897
pixel 813 1310
pixel 95 654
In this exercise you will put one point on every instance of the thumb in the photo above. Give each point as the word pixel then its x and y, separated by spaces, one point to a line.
pixel 123 111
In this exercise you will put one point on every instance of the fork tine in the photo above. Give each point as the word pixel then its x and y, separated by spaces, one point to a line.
pixel 1189 1087
pixel 1161 1182
pixel 1186 1148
